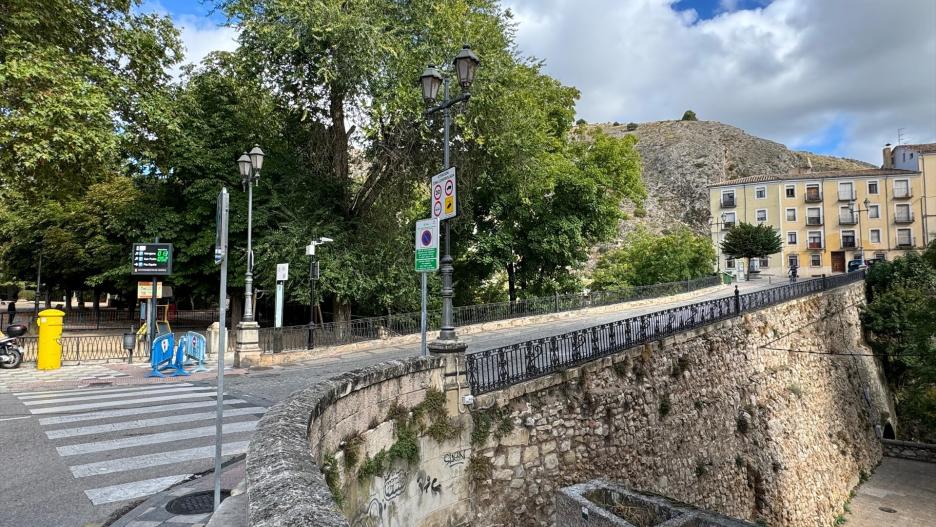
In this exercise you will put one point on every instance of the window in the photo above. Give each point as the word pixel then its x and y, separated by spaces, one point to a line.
pixel 902 213
pixel 791 238
pixel 901 188
pixel 813 193
pixel 761 215
pixel 814 216
pixel 791 214
pixel 815 260
pixel 872 187
pixel 880 256
pixel 764 263
pixel 791 191
pixel 845 191
pixel 729 264
pixel 727 198
pixel 848 240
pixel 814 239
pixel 792 260
pixel 729 220
pixel 904 238
pixel 874 211
pixel 874 235
pixel 760 193
pixel 847 217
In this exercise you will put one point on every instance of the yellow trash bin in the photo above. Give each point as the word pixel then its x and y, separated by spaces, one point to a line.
pixel 50 345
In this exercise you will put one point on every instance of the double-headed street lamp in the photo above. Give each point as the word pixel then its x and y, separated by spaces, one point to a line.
pixel 852 210
pixel 465 64
pixel 250 165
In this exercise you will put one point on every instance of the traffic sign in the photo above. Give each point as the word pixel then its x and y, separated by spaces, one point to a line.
pixel 152 259
pixel 444 200
pixel 282 272
pixel 427 245
pixel 221 226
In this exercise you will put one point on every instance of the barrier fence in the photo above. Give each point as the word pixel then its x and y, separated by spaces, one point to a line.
pixel 497 368
pixel 100 347
pixel 295 338
pixel 85 320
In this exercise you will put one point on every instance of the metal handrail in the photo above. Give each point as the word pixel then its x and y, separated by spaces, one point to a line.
pixel 500 367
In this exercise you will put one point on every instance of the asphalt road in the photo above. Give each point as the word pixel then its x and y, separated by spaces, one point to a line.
pixel 75 457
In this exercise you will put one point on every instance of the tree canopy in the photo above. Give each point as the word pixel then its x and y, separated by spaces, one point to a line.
pixel 751 241
pixel 648 259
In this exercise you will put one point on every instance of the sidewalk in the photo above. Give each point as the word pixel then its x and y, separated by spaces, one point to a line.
pixel 153 511
pixel 28 378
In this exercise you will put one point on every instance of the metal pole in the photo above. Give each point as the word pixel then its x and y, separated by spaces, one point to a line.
pixel 248 279
pixel 222 347
pixel 447 331
pixel 151 316
pixel 38 281
pixel 422 316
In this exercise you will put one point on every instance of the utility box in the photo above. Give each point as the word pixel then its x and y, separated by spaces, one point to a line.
pixel 50 323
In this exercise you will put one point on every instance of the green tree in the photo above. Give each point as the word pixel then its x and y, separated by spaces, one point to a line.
pixel 652 259
pixel 689 115
pixel 751 241
pixel 900 327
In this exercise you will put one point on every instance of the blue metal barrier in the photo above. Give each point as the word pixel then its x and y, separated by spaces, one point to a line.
pixel 195 349
pixel 164 356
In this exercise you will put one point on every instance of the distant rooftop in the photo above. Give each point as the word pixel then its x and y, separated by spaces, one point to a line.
pixel 868 172
pixel 924 148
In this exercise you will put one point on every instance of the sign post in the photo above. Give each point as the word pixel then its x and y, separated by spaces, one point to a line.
pixel 444 198
pixel 427 260
pixel 282 274
pixel 221 250
pixel 152 259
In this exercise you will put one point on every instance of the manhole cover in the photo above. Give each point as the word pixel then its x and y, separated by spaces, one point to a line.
pixel 195 503
pixel 888 509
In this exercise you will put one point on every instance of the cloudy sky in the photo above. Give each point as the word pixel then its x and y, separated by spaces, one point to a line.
pixel 830 76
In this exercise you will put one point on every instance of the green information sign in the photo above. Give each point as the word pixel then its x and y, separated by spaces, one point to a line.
pixel 427 245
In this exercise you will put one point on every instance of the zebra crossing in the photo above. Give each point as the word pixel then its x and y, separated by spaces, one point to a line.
pixel 130 442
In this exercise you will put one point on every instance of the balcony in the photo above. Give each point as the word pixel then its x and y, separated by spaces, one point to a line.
pixel 813 244
pixel 845 195
pixel 728 202
pixel 813 220
pixel 813 196
pixel 849 244
pixel 847 218
pixel 903 193
pixel 905 243
pixel 903 217
pixel 728 225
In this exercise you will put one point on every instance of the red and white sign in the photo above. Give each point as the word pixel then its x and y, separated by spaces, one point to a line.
pixel 444 202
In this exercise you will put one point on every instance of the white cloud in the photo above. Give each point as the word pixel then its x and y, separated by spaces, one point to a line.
pixel 792 71
pixel 200 35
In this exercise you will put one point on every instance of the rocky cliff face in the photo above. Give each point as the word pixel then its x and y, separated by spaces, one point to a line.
pixel 680 158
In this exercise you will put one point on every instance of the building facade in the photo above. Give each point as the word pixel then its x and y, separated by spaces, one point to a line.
pixel 920 158
pixel 826 219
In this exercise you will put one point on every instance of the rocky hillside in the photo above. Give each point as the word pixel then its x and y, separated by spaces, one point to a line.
pixel 680 158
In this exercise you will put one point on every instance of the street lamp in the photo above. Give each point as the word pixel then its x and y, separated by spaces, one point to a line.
pixel 717 225
pixel 853 210
pixel 249 165
pixel 465 64
pixel 313 276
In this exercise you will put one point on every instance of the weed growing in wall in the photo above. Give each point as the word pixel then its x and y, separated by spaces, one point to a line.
pixel 796 390
pixel 494 420
pixel 680 366
pixel 330 471
pixel 351 448
pixel 480 468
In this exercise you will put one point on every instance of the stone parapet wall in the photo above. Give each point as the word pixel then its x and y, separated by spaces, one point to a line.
pixel 909 450
pixel 745 417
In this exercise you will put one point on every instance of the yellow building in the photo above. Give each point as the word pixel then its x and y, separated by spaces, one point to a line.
pixel 826 219
pixel 921 158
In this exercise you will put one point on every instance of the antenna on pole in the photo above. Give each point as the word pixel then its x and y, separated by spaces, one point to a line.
pixel 900 136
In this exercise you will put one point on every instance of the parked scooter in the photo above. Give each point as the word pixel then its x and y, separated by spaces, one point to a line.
pixel 11 353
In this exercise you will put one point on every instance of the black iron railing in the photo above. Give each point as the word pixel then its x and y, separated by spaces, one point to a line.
pixel 497 368
pixel 294 338
pixel 94 347
pixel 89 319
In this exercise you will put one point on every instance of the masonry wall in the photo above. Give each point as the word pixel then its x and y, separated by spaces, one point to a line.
pixel 750 418
pixel 723 418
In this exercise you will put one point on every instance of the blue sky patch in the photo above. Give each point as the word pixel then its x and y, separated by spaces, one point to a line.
pixel 707 9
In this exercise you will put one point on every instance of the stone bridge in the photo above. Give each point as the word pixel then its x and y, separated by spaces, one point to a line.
pixel 769 415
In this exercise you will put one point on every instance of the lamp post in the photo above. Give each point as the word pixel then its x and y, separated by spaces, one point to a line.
pixel 465 64
pixel 249 165
pixel 313 276
pixel 853 210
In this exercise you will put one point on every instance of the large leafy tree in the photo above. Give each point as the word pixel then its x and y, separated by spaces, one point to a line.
pixel 900 324
pixel 84 100
pixel 751 241
pixel 648 258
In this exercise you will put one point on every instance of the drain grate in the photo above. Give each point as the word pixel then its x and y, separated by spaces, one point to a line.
pixel 195 503
pixel 887 509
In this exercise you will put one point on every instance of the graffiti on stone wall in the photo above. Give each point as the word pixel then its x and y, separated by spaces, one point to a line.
pixel 428 483
pixel 395 483
pixel 371 516
pixel 456 458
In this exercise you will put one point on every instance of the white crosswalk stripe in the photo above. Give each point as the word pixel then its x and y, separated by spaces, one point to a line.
pixel 127 443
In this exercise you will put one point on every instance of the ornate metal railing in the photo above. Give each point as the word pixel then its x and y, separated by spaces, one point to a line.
pixel 497 368
pixel 292 338
pixel 94 347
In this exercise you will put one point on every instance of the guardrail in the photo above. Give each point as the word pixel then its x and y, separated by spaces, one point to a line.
pixel 89 319
pixel 294 338
pixel 498 368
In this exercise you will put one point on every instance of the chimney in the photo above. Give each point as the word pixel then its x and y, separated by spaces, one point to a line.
pixel 888 159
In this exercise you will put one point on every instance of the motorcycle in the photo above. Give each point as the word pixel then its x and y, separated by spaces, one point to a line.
pixel 11 353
